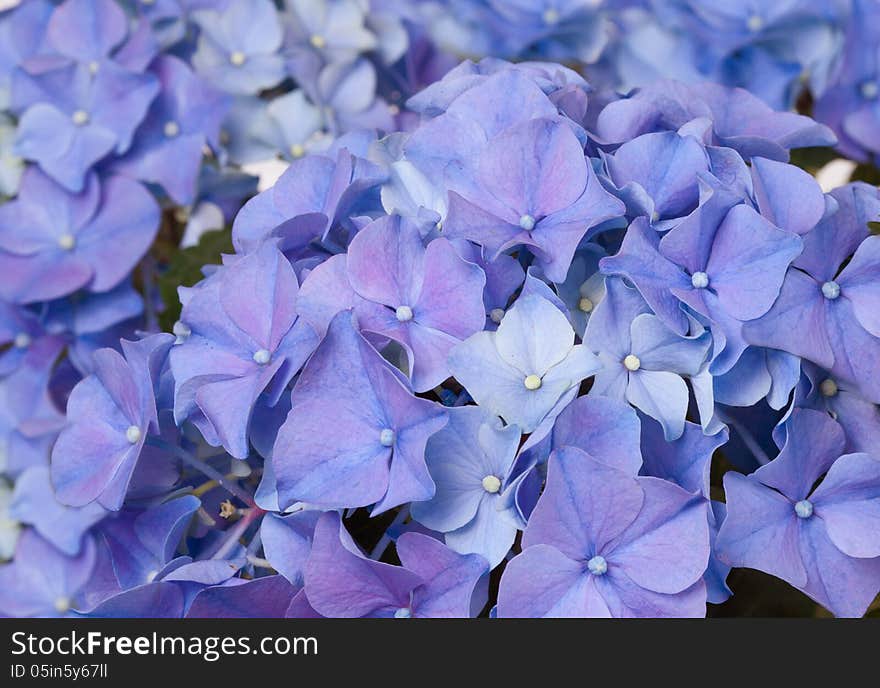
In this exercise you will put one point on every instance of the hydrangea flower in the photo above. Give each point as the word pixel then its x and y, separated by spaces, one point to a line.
pixel 827 314
pixel 53 242
pixel 470 461
pixel 426 298
pixel 528 367
pixel 548 204
pixel 41 580
pixel 433 581
pixel 823 540
pixel 602 543
pixel 241 337
pixel 643 359
pixel 238 46
pixel 110 414
pixel 375 455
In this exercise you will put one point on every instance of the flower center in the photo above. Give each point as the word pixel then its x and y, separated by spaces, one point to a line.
pixel 62 605
pixel 262 357
pixel 828 388
pixel 133 434
pixel 80 118
pixel 171 129
pixel 632 363
pixel 831 290
pixel 94 66
pixel 551 16
pixel 496 315
pixel 318 41
pixel 238 58
pixel 532 382
pixel 527 222
pixel 491 484
pixel 297 150
pixel 755 23
pixel 700 280
pixel 181 330
pixel 870 90
pixel 386 437
pixel 803 509
pixel 597 566
pixel 586 305
pixel 404 313
pixel 67 242
pixel 22 340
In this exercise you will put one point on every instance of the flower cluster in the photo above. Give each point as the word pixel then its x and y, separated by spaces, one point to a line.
pixel 540 352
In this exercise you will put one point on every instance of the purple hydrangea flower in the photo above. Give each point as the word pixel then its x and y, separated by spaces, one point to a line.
pixel 433 581
pixel 53 242
pixel 375 454
pixel 536 189
pixel 426 298
pixel 241 338
pixel 822 540
pixel 603 543
pixel 110 414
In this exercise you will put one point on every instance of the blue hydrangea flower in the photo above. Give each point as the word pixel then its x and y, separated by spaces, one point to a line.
pixel 470 461
pixel 375 453
pixel 528 367
pixel 601 543
pixel 110 414
pixel 241 338
pixel 238 46
pixel 822 540
pixel 53 242
pixel 426 298
pixel 643 360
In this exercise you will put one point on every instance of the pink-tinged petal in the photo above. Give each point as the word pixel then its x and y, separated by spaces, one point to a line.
pixel 848 501
pixel 341 582
pixel 450 578
pixel 386 262
pixel 666 549
pixel 542 582
pixel 430 349
pixel 227 405
pixel 466 220
pixel 259 295
pixel 451 298
pixel 761 530
pixel 261 598
pixel 535 168
pixel 585 505
pixel 121 232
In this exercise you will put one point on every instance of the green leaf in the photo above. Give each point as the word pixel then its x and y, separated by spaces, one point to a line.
pixel 185 269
